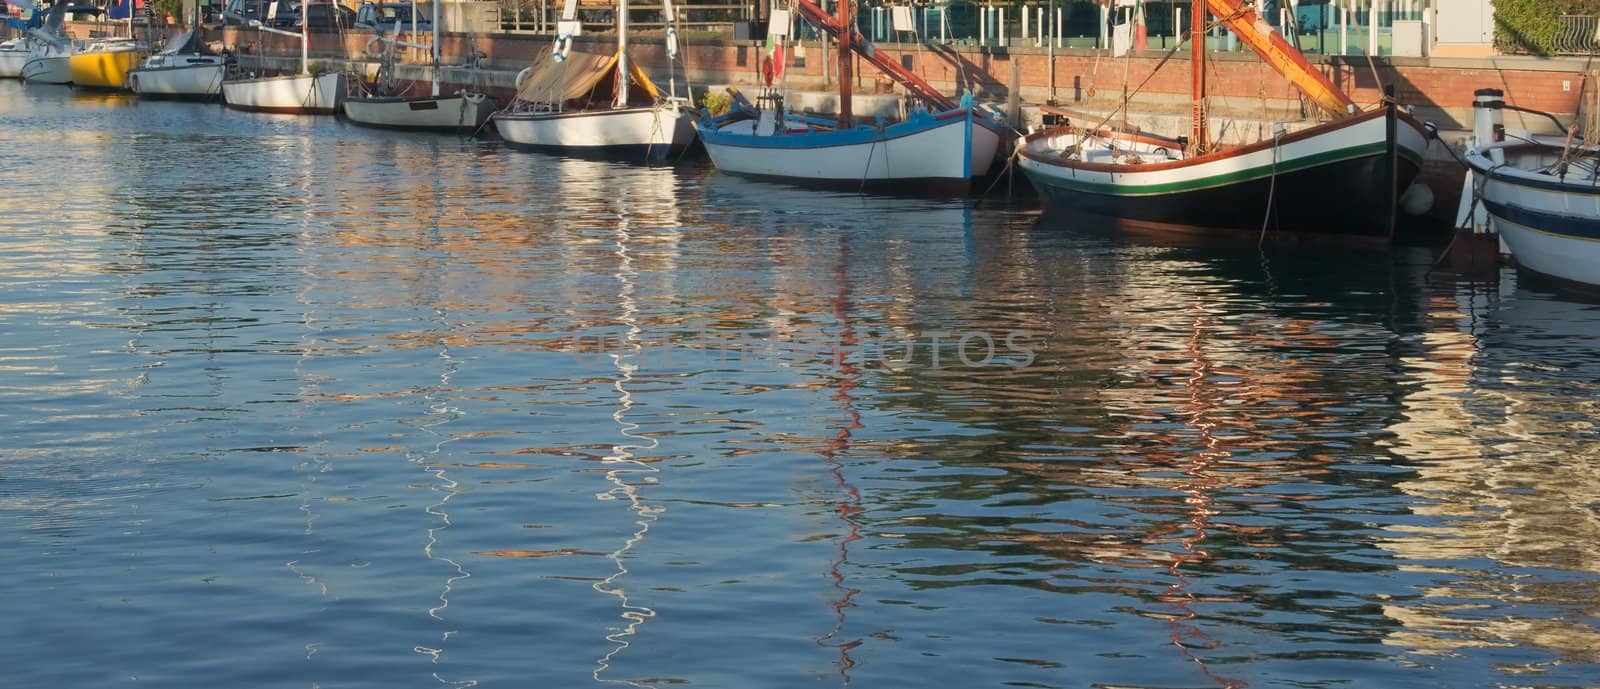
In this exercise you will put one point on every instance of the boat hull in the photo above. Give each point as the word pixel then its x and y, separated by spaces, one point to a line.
pixel 651 130
pixel 459 112
pixel 940 152
pixel 187 81
pixel 104 69
pixel 47 70
pixel 298 94
pixel 11 62
pixel 1338 180
pixel 1550 224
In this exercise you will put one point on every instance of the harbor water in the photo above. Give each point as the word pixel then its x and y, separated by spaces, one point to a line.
pixel 289 403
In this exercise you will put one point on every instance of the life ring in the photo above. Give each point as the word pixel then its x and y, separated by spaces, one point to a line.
pixel 562 47
pixel 522 77
pixel 672 43
pixel 368 49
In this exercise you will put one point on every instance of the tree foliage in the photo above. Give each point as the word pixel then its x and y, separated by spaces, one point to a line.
pixel 1535 27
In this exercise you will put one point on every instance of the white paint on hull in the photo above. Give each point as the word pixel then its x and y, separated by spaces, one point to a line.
pixel 666 126
pixel 1526 182
pixel 186 80
pixel 939 152
pixel 434 112
pixel 298 93
pixel 1568 258
pixel 11 62
pixel 53 69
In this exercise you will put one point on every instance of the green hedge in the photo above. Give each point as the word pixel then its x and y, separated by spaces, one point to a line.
pixel 1534 27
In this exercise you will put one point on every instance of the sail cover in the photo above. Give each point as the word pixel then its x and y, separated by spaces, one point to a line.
pixel 554 81
pixel 178 43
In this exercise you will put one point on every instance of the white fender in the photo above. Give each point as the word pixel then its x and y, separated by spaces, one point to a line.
pixel 672 43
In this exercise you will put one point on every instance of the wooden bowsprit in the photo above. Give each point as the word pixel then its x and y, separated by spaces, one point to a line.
pixel 861 46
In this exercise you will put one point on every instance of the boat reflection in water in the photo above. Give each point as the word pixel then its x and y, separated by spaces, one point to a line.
pixel 1498 429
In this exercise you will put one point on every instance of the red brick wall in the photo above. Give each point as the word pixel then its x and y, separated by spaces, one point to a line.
pixel 1078 73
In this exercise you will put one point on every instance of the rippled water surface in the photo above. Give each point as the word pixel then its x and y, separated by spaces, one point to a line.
pixel 286 403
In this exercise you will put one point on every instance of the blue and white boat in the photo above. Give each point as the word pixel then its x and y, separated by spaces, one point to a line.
pixel 1542 196
pixel 937 149
pixel 927 151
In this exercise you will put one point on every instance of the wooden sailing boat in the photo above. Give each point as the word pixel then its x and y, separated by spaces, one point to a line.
pixel 463 110
pixel 1540 194
pixel 297 94
pixel 1341 178
pixel 562 102
pixel 940 146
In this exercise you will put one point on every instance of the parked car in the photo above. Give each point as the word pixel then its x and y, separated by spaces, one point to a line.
pixel 381 16
pixel 242 12
pixel 325 16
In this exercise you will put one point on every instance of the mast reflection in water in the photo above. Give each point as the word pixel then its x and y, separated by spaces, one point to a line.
pixel 406 366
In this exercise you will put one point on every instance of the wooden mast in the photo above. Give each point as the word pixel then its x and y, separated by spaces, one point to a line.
pixel 305 41
pixel 434 49
pixel 846 35
pixel 622 54
pixel 1200 132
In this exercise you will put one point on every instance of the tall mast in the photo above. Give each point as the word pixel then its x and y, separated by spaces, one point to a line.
pixel 846 35
pixel 435 4
pixel 622 53
pixel 1199 135
pixel 305 41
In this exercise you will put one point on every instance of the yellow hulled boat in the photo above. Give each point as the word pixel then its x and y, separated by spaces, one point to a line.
pixel 104 64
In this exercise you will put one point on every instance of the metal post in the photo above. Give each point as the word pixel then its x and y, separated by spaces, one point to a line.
pixel 1344 27
pixel 1104 42
pixel 1372 27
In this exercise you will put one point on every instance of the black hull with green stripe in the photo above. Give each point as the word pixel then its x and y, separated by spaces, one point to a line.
pixel 1338 180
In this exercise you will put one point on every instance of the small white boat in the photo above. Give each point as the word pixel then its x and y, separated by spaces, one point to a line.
pixel 294 94
pixel 462 111
pixel 51 51
pixel 182 69
pixel 13 55
pixel 939 146
pixel 592 103
pixel 50 63
pixel 927 152
pixel 1541 195
pixel 650 130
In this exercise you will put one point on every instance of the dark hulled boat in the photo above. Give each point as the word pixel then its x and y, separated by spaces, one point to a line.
pixel 1342 178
